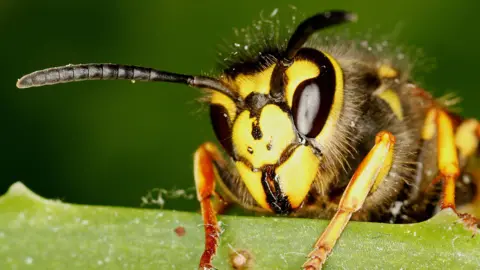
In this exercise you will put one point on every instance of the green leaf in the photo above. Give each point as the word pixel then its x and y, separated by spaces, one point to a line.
pixel 36 233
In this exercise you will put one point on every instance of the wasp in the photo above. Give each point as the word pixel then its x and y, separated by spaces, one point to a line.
pixel 321 131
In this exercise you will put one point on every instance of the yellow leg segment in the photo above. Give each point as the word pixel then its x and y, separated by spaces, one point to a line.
pixel 447 158
pixel 439 122
pixel 370 172
pixel 205 177
pixel 450 145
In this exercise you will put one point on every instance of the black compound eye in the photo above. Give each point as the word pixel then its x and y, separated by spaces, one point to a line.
pixel 222 127
pixel 311 105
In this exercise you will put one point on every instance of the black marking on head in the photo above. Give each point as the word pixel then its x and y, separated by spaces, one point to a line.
pixel 269 146
pixel 256 131
pixel 277 201
pixel 255 102
pixel 248 64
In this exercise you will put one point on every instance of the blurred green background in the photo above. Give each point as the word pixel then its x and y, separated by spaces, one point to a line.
pixel 111 142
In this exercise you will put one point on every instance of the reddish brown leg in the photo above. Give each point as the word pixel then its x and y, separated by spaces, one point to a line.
pixel 205 176
pixel 368 175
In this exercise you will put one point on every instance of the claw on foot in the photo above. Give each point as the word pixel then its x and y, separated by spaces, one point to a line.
pixel 316 259
pixel 470 222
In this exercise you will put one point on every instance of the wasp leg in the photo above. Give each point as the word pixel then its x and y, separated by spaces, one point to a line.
pixel 448 157
pixel 467 138
pixel 373 169
pixel 205 158
pixel 437 121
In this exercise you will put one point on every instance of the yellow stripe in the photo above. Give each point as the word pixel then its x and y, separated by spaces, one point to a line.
pixel 466 139
pixel 393 101
pixel 429 126
pixel 387 72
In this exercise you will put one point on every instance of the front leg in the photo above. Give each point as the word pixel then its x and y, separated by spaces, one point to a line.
pixel 367 177
pixel 205 175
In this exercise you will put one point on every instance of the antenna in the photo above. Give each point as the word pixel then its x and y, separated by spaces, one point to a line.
pixel 88 72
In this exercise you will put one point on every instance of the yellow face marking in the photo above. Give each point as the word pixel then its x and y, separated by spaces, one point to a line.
pixel 334 115
pixel 465 138
pixel 297 173
pixel 296 74
pixel 393 101
pixel 258 82
pixel 254 184
pixel 277 134
pixel 387 72
pixel 226 102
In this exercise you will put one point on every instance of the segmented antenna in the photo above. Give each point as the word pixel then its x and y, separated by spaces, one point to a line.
pixel 297 40
pixel 313 24
pixel 87 72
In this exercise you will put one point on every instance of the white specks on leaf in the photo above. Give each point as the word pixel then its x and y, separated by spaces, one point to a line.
pixel 21 216
pixel 158 196
pixel 136 221
pixel 28 260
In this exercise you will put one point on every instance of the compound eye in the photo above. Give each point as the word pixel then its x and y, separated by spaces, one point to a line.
pixel 222 127
pixel 310 107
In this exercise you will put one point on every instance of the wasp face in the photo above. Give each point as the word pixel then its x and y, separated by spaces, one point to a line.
pixel 274 131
